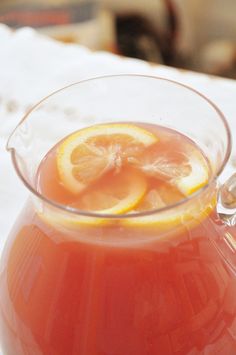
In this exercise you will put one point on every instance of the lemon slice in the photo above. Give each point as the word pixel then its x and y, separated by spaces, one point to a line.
pixel 124 191
pixel 175 189
pixel 198 176
pixel 187 215
pixel 88 154
pixel 113 194
pixel 185 167
pixel 158 197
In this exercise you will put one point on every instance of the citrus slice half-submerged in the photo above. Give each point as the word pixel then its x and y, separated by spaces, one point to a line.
pixel 113 193
pixel 178 175
pixel 88 154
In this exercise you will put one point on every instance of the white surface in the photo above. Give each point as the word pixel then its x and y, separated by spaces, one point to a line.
pixel 32 66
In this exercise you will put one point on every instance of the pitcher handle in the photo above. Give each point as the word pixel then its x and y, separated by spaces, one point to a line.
pixel 227 202
pixel 226 210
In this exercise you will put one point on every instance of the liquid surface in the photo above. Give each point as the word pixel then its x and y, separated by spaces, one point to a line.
pixel 162 168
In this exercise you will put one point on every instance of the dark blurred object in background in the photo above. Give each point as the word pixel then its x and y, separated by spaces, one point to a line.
pixel 137 38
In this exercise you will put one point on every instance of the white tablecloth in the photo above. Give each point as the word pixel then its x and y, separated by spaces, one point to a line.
pixel 31 66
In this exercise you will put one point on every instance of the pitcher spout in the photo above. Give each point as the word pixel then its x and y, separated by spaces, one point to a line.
pixel 18 137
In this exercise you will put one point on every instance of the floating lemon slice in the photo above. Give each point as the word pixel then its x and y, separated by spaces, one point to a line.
pixel 88 154
pixel 187 215
pixel 159 196
pixel 123 192
pixel 113 193
pixel 186 168
pixel 181 181
pixel 197 177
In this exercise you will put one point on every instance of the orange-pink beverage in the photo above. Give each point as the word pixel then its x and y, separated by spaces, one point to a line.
pixel 128 285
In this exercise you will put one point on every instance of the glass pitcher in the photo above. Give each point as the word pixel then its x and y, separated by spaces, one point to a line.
pixel 117 287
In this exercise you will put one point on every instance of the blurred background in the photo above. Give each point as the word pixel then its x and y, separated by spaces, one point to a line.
pixel 198 35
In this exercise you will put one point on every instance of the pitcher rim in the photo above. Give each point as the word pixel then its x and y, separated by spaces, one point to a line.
pixel 76 211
